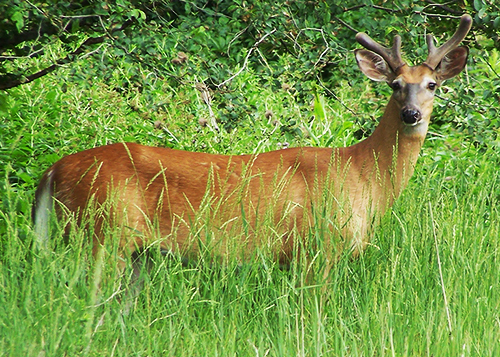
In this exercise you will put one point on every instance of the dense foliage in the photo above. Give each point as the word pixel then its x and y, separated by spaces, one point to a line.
pixel 295 44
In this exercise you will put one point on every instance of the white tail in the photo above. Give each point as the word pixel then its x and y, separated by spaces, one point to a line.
pixel 158 193
pixel 42 210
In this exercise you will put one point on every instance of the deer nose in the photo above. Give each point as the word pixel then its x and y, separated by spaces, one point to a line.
pixel 411 116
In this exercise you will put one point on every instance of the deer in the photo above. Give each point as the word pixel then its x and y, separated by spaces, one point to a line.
pixel 159 194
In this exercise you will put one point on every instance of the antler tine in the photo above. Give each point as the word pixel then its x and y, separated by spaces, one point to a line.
pixel 436 54
pixel 391 55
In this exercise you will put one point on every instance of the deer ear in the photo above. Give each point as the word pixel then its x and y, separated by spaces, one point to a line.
pixel 374 66
pixel 452 63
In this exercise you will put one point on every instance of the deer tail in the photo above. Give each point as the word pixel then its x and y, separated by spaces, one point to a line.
pixel 42 208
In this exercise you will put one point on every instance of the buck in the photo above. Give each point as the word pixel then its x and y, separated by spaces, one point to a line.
pixel 159 195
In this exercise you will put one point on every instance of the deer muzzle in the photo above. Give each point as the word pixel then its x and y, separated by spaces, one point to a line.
pixel 410 115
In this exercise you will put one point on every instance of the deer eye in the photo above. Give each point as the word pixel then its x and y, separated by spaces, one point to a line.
pixel 432 86
pixel 396 86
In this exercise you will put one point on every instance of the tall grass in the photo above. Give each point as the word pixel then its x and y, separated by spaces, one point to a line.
pixel 428 285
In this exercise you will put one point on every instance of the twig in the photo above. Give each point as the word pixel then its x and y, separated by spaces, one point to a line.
pixel 236 37
pixel 327 49
pixel 32 54
pixel 378 7
pixel 69 58
pixel 332 94
pixel 47 70
pixel 343 23
pixel 436 15
pixel 205 95
pixel 245 62
pixel 444 7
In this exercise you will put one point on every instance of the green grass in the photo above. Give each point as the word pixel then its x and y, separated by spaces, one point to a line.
pixel 427 286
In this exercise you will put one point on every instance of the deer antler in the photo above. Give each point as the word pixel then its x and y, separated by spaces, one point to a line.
pixel 436 54
pixel 391 55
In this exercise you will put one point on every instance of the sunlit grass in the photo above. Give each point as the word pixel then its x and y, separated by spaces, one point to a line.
pixel 427 286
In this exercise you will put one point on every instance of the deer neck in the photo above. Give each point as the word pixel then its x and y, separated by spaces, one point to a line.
pixel 390 153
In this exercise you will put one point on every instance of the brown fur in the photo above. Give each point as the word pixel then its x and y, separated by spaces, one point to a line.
pixel 159 194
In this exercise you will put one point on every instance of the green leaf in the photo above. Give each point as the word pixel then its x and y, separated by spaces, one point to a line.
pixel 319 108
pixel 18 19
pixel 478 5
pixel 3 102
pixel 137 14
pixel 496 22
pixel 51 95
pixel 25 177
pixel 482 13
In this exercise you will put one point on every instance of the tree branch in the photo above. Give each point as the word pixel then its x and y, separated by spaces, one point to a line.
pixel 69 58
pixel 245 62
pixel 12 81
